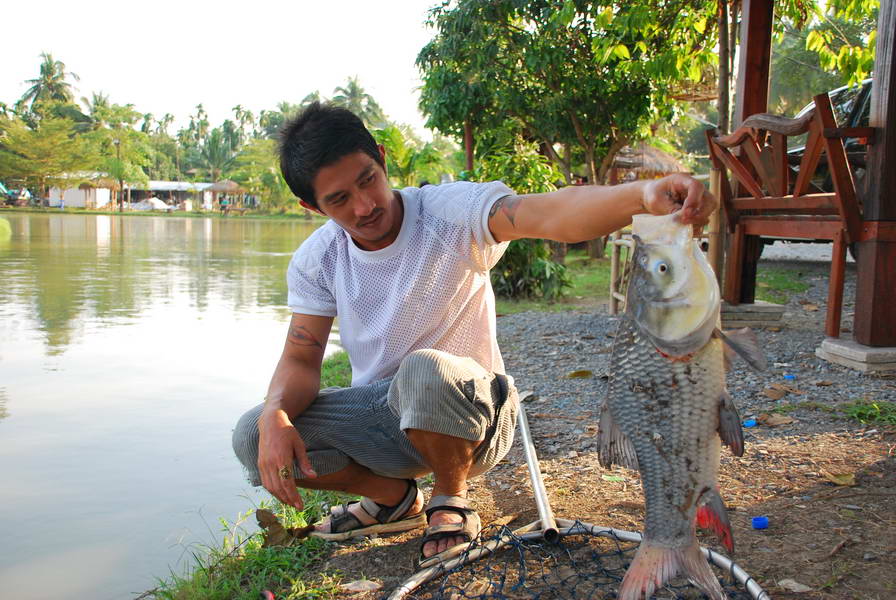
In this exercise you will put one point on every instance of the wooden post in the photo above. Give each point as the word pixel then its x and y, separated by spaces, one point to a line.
pixel 752 98
pixel 714 237
pixel 875 315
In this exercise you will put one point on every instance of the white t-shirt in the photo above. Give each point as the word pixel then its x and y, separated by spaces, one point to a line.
pixel 430 288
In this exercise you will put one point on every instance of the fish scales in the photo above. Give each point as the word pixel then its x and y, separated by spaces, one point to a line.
pixel 669 411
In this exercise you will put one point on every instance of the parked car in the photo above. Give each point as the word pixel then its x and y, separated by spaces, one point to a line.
pixel 18 196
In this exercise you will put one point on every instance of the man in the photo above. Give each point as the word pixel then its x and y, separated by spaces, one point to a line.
pixel 407 273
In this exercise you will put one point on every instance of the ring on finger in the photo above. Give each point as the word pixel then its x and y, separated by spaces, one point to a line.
pixel 284 472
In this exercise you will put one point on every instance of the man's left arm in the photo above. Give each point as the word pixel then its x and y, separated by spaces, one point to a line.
pixel 578 213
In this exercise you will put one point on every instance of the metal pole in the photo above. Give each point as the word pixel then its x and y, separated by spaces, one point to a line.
pixel 548 524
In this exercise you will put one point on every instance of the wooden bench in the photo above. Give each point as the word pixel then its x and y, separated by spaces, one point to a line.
pixel 771 198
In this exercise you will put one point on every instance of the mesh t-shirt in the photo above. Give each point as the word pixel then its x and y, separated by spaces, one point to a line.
pixel 430 288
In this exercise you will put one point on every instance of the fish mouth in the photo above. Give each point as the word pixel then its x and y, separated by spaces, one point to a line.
pixel 677 301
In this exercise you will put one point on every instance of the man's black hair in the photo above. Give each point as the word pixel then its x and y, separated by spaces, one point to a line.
pixel 317 137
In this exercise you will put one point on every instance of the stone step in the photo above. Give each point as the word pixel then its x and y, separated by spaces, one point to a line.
pixel 854 355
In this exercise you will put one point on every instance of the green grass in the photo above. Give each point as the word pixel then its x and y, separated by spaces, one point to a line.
pixel 776 285
pixel 336 371
pixel 590 285
pixel 240 568
pixel 864 411
pixel 871 413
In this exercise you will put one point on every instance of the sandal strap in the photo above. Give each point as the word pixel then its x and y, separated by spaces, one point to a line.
pixel 388 514
pixel 341 519
pixel 457 504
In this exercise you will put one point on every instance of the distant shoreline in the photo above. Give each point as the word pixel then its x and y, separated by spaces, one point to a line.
pixel 160 213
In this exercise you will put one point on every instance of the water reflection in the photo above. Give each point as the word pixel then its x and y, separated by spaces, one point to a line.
pixel 65 270
pixel 129 346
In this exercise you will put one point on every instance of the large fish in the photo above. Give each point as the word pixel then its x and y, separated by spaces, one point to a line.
pixel 667 411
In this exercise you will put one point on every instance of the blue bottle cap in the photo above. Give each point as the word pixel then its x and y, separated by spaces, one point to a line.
pixel 750 423
pixel 789 377
pixel 760 522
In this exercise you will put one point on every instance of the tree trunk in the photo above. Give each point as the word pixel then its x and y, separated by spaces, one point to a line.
pixel 724 64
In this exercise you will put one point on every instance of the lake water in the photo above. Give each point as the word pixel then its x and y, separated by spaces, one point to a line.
pixel 129 346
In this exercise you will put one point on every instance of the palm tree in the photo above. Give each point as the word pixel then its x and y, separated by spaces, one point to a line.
pixel 354 98
pixel 97 109
pixel 408 163
pixel 216 156
pixel 50 85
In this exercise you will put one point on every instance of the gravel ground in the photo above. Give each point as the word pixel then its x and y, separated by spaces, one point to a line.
pixel 541 349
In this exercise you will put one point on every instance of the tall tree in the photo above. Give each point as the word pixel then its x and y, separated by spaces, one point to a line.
pixel 50 153
pixel 570 74
pixel 50 85
pixel 353 97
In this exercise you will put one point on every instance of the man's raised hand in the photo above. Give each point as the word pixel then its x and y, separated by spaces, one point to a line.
pixel 680 191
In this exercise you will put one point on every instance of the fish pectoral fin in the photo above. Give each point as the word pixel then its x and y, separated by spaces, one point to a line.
pixel 730 429
pixel 613 445
pixel 742 343
pixel 712 515
pixel 654 565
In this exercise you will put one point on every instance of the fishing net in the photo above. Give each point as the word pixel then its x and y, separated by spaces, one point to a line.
pixel 554 558
pixel 585 562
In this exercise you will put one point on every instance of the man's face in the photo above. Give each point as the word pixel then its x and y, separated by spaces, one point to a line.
pixel 355 192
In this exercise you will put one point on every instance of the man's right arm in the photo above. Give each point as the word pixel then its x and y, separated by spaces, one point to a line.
pixel 294 386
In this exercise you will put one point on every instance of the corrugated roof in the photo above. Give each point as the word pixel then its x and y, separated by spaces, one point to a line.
pixel 173 186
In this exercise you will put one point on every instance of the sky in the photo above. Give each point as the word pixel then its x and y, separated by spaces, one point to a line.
pixel 167 56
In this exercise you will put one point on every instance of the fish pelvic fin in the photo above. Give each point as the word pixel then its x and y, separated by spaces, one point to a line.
pixel 730 429
pixel 654 565
pixel 742 343
pixel 614 448
pixel 712 515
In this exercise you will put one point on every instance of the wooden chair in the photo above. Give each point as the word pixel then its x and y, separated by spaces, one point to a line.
pixel 764 199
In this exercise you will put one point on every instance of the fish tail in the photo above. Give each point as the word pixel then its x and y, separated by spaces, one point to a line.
pixel 655 565
pixel 711 514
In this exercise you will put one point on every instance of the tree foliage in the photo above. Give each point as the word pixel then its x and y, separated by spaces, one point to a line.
pixel 49 154
pixel 526 269
pixel 572 75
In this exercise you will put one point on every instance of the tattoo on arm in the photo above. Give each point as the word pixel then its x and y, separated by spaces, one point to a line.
pixel 508 205
pixel 300 336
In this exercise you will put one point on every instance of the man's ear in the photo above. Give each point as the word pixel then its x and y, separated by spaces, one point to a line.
pixel 311 208
pixel 382 150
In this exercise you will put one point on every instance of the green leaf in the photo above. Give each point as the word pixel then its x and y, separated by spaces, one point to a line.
pixel 614 478
pixel 621 51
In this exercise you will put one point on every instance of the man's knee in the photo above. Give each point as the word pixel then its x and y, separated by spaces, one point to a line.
pixel 245 438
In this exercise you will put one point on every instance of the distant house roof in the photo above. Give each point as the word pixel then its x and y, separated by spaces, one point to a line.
pixel 173 186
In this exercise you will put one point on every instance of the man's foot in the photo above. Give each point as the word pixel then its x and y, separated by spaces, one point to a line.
pixel 443 517
pixel 452 525
pixel 367 517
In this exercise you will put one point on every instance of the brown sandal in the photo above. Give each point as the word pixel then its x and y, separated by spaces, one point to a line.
pixel 468 529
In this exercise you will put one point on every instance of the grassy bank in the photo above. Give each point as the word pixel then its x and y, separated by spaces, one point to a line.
pixel 241 567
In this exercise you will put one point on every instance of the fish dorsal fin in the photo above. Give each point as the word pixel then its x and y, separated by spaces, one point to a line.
pixel 614 448
pixel 729 425
pixel 744 344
